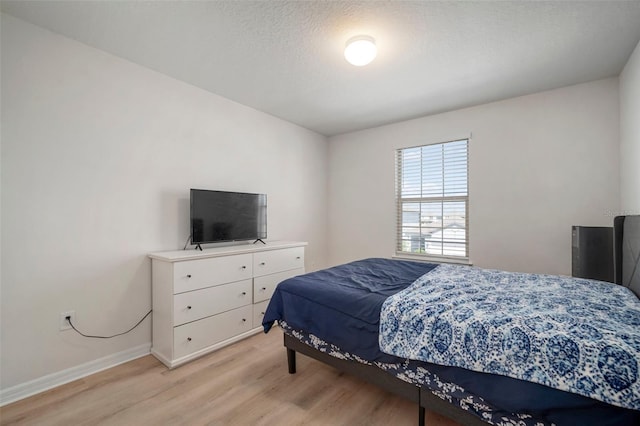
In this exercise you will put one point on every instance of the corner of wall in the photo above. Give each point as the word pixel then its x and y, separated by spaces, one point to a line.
pixel 629 90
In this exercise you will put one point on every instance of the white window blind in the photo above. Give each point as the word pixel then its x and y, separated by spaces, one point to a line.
pixel 433 200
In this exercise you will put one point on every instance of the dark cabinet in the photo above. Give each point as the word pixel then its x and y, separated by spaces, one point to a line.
pixel 592 252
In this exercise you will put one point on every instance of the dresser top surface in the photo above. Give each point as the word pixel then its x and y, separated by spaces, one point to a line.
pixel 180 255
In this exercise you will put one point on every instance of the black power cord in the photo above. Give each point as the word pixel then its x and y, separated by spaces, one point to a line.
pixel 68 318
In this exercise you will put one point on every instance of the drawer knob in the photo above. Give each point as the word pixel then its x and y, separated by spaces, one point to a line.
pixel 297 257
pixel 188 339
pixel 244 320
pixel 244 293
pixel 262 263
pixel 244 267
pixel 264 288
pixel 262 313
pixel 189 307
pixel 189 276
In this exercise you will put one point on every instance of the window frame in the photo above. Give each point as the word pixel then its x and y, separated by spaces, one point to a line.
pixel 441 199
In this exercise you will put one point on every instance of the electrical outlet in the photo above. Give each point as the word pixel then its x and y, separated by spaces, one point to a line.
pixel 64 324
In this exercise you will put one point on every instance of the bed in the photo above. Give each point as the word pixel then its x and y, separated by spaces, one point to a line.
pixel 334 316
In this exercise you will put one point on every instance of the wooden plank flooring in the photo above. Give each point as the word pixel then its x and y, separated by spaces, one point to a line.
pixel 243 384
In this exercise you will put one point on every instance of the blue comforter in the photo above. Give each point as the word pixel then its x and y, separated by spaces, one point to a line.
pixel 577 335
pixel 342 304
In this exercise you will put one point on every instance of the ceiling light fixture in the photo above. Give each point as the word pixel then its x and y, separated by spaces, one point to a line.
pixel 360 50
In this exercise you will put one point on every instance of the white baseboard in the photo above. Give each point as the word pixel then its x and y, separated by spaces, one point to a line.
pixel 50 381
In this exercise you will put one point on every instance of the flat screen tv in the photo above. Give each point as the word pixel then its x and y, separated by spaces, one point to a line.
pixel 222 216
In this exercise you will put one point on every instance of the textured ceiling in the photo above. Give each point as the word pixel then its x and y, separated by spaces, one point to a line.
pixel 285 57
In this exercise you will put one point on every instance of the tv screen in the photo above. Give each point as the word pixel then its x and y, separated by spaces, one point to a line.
pixel 218 216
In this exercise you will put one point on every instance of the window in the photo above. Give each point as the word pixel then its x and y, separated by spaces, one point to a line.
pixel 433 200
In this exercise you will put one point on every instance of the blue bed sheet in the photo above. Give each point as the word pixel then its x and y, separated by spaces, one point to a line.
pixel 347 298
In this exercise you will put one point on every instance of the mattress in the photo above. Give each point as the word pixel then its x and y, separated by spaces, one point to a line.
pixel 341 306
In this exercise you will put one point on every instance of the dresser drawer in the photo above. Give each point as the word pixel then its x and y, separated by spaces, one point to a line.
pixel 192 337
pixel 195 274
pixel 258 313
pixel 193 305
pixel 269 262
pixel 263 287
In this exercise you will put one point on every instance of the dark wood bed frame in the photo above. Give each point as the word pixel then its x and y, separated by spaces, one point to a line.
pixel 626 232
pixel 372 374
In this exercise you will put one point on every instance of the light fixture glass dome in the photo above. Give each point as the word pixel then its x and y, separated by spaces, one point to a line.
pixel 360 50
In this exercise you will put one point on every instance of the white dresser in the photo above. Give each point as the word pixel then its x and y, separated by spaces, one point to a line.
pixel 204 300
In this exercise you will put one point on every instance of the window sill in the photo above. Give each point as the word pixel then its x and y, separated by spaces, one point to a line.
pixel 433 259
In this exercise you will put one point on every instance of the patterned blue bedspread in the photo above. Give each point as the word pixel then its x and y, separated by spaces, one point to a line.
pixel 576 335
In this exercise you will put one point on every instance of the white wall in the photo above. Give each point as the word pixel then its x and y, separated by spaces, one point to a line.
pixel 630 135
pixel 98 155
pixel 538 164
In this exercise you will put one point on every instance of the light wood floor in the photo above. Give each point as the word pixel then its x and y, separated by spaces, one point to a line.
pixel 243 384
